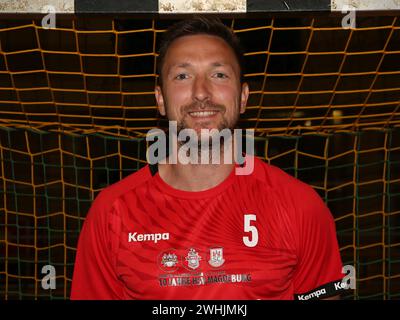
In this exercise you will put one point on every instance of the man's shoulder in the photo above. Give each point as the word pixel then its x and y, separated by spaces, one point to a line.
pixel 279 181
pixel 275 176
pixel 294 194
pixel 109 194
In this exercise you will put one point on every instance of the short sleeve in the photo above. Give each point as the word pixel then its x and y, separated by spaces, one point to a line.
pixel 94 275
pixel 318 272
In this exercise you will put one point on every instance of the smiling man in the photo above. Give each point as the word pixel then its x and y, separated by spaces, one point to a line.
pixel 200 76
pixel 200 231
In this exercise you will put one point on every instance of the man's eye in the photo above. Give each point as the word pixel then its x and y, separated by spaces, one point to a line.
pixel 181 76
pixel 220 75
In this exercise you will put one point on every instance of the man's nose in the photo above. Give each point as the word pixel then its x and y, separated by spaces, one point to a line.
pixel 201 89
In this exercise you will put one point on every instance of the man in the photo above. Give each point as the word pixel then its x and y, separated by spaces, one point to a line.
pixel 200 231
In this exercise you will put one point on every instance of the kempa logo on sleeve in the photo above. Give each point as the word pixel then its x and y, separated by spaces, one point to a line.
pixel 152 237
pixel 340 285
pixel 311 295
pixel 330 289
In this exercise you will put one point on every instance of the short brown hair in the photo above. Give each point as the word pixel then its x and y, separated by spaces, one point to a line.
pixel 195 26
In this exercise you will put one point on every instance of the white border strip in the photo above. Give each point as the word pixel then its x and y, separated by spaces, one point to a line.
pixel 190 6
pixel 384 5
pixel 36 6
pixel 201 6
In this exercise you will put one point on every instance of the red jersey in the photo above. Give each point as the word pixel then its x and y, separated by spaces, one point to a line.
pixel 265 235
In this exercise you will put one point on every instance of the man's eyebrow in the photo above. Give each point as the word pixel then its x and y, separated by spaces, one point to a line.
pixel 218 64
pixel 187 64
pixel 181 65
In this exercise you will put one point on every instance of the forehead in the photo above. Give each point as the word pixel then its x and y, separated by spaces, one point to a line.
pixel 200 48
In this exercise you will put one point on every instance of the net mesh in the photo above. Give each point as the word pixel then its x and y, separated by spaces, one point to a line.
pixel 76 102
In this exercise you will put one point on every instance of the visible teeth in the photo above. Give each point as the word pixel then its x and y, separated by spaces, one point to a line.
pixel 202 113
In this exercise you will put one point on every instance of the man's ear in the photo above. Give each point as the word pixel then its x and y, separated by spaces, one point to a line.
pixel 160 100
pixel 243 97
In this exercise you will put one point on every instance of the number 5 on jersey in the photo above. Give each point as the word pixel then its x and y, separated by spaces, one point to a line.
pixel 248 227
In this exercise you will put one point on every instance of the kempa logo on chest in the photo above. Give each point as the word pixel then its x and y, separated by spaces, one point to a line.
pixel 153 237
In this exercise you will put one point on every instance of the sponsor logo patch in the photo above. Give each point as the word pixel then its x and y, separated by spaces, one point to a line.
pixel 169 260
pixel 216 257
pixel 193 259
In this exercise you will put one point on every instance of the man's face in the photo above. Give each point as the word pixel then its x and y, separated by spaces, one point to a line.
pixel 201 86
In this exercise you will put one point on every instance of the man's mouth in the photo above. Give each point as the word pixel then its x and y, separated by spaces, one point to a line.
pixel 203 114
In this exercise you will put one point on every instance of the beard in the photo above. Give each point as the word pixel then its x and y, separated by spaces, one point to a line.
pixel 207 140
pixel 198 106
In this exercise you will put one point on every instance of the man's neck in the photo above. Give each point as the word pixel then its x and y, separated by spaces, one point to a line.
pixel 194 177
